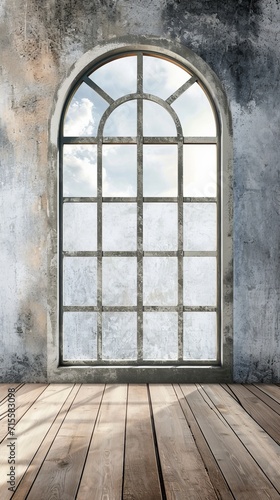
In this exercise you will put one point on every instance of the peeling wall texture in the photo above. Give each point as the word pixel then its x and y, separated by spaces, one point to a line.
pixel 40 42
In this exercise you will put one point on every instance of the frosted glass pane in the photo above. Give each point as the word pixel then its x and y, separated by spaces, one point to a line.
pixel 79 226
pixel 157 121
pixel 200 232
pixel 79 170
pixel 160 335
pixel 119 226
pixel 122 121
pixel 161 77
pixel 119 170
pixel 119 281
pixel 79 335
pixel 160 171
pixel 160 281
pixel 118 77
pixel 200 336
pixel 160 226
pixel 200 281
pixel 119 335
pixel 200 170
pixel 195 113
pixel 79 281
pixel 84 112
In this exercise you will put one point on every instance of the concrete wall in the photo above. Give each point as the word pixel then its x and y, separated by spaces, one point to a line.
pixel 40 41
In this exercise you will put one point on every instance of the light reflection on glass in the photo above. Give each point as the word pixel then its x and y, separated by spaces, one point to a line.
pixel 160 335
pixel 119 226
pixel 84 112
pixel 79 170
pixel 119 170
pixel 79 281
pixel 119 281
pixel 200 170
pixel 79 226
pixel 200 280
pixel 160 226
pixel 122 122
pixel 119 335
pixel 200 222
pixel 200 337
pixel 118 77
pixel 160 170
pixel 195 113
pixel 79 335
pixel 157 122
pixel 160 281
pixel 161 77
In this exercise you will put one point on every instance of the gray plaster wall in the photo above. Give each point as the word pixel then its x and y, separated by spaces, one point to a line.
pixel 40 41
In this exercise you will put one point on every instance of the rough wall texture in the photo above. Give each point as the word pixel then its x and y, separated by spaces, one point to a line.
pixel 40 41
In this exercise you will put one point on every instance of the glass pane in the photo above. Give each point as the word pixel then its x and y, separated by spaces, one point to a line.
pixel 79 170
pixel 79 226
pixel 195 113
pixel 160 335
pixel 79 335
pixel 122 121
pixel 160 170
pixel 119 335
pixel 200 277
pixel 160 281
pixel 84 112
pixel 161 77
pixel 119 281
pixel 118 77
pixel 119 226
pixel 160 226
pixel 200 231
pixel 119 170
pixel 157 121
pixel 200 170
pixel 79 281
pixel 200 336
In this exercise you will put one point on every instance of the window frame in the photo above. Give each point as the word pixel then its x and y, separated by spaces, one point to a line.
pixel 190 372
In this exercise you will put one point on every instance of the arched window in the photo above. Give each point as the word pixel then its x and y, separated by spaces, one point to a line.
pixel 140 219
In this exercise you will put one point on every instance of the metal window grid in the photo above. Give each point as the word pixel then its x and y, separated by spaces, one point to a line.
pixel 140 141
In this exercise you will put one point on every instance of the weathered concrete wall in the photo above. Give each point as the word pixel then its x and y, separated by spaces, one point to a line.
pixel 40 41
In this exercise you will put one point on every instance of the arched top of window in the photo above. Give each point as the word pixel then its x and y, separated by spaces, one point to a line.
pixel 104 101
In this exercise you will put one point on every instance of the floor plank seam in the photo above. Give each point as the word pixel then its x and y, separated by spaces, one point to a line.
pixel 124 441
pixel 90 441
pixel 160 473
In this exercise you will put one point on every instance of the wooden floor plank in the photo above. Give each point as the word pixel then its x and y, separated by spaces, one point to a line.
pixel 25 397
pixel 242 474
pixel 32 471
pixel 259 411
pixel 216 477
pixel 141 479
pixel 60 473
pixel 30 432
pixel 4 392
pixel 261 446
pixel 272 390
pixel 183 471
pixel 268 400
pixel 102 475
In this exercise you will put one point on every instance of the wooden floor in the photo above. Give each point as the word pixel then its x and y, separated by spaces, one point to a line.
pixel 142 442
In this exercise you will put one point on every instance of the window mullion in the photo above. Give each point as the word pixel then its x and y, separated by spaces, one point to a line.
pixel 140 208
pixel 99 249
pixel 180 250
